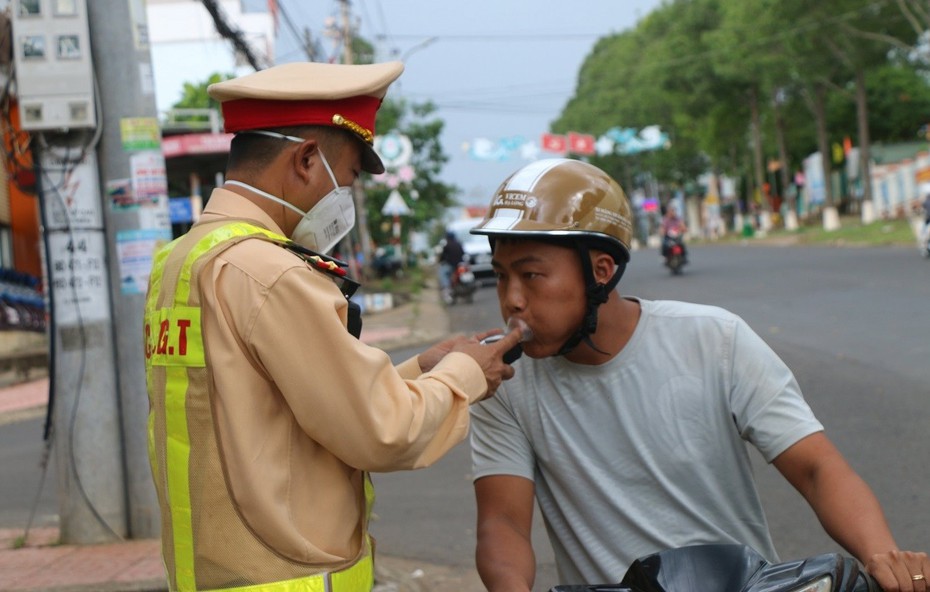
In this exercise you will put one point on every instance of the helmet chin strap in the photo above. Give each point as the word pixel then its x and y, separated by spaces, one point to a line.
pixel 596 294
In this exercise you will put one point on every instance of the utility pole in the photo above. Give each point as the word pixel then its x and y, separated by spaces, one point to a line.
pixel 358 190
pixel 84 401
pixel 347 57
pixel 130 157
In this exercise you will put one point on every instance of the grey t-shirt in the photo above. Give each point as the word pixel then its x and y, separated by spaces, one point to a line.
pixel 647 451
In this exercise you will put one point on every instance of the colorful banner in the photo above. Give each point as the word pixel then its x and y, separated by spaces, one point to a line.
pixel 616 140
pixel 629 141
pixel 501 150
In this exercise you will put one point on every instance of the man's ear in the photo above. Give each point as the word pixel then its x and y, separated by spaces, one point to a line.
pixel 302 159
pixel 603 266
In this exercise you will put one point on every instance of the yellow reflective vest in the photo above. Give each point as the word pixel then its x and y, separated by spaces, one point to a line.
pixel 183 448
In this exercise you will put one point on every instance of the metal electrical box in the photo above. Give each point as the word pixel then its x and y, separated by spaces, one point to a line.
pixel 54 73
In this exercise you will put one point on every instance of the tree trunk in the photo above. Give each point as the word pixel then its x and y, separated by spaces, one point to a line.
pixel 823 143
pixel 785 170
pixel 865 142
pixel 757 163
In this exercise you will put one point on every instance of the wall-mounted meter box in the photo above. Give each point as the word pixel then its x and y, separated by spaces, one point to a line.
pixel 54 73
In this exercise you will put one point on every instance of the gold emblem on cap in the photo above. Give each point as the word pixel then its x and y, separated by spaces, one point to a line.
pixel 351 125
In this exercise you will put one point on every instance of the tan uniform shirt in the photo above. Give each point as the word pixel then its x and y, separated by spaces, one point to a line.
pixel 301 407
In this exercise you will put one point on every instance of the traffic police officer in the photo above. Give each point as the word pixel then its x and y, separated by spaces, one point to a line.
pixel 266 411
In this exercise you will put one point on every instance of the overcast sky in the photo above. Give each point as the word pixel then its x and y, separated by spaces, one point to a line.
pixel 498 69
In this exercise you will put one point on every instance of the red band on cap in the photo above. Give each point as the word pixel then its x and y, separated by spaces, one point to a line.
pixel 249 114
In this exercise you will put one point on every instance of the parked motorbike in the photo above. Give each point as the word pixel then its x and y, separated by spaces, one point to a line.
pixel 735 568
pixel 674 249
pixel 462 286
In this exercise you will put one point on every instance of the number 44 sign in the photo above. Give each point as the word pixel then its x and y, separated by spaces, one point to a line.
pixel 78 277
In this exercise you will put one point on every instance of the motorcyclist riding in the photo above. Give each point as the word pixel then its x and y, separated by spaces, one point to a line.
pixel 451 255
pixel 673 228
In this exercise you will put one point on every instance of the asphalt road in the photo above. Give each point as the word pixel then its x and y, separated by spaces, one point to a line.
pixel 853 323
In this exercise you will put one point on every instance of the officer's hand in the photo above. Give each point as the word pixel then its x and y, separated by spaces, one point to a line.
pixel 896 571
pixel 491 356
pixel 429 358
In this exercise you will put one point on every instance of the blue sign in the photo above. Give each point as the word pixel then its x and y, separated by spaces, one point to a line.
pixel 180 210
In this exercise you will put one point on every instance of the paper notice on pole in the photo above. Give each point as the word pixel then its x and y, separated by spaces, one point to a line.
pixel 140 29
pixel 135 249
pixel 157 217
pixel 149 184
pixel 148 177
pixel 70 190
pixel 140 133
pixel 119 194
pixel 78 276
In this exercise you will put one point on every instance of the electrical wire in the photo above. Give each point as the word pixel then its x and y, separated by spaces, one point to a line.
pixel 306 47
pixel 231 33
pixel 43 463
pixel 384 25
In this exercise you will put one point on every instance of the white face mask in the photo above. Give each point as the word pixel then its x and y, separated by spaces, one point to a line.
pixel 328 222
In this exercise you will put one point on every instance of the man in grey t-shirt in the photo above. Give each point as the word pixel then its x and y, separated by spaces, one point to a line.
pixel 627 419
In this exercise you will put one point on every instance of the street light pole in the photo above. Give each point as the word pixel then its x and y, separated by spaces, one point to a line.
pixel 419 46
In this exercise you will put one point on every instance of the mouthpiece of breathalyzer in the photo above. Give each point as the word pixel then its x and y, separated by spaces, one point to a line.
pixel 514 353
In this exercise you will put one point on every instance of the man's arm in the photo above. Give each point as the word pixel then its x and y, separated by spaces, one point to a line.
pixel 505 555
pixel 849 511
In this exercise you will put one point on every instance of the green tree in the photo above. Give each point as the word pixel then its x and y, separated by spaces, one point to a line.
pixel 729 80
pixel 194 96
pixel 851 39
pixel 419 123
pixel 647 76
pixel 753 62
pixel 899 103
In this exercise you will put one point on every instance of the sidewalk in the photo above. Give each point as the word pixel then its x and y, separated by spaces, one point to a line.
pixel 40 564
pixel 422 321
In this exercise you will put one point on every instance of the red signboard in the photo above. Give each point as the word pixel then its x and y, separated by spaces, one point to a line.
pixel 574 142
pixel 580 143
pixel 188 144
pixel 554 143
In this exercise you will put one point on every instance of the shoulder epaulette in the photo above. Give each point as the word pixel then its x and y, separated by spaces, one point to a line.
pixel 328 265
pixel 319 261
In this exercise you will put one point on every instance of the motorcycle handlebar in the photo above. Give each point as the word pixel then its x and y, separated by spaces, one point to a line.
pixel 866 583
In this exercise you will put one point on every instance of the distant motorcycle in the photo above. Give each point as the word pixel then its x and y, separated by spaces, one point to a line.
pixel 674 249
pixel 735 568
pixel 462 285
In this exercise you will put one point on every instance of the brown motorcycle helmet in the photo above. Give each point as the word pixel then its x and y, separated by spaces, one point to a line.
pixel 561 198
pixel 572 203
